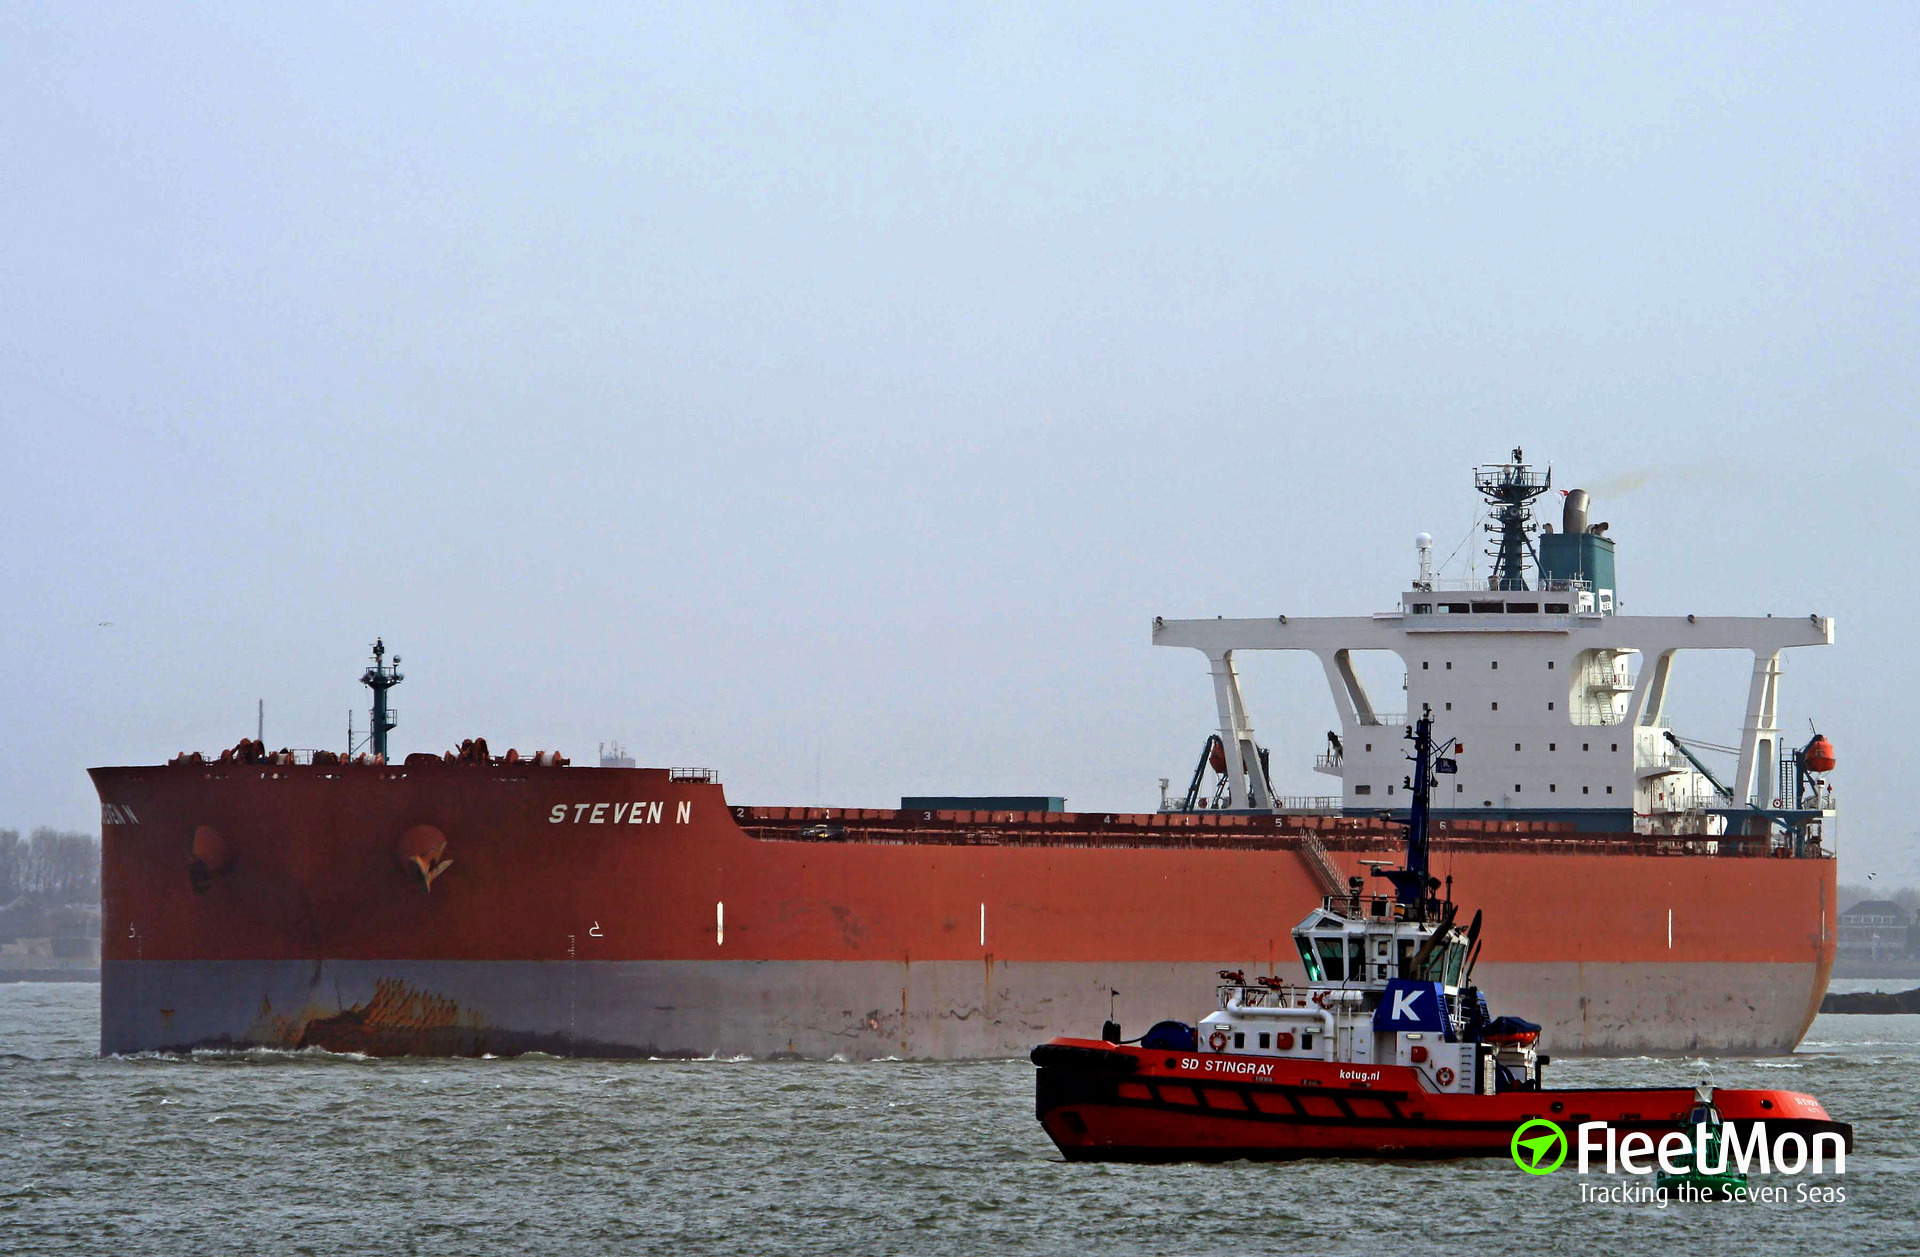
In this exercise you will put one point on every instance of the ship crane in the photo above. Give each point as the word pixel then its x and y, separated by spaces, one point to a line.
pixel 1214 755
pixel 1699 767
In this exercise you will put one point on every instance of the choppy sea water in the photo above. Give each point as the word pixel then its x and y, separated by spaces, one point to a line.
pixel 295 1153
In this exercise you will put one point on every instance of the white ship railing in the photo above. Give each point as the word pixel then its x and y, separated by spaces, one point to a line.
pixel 1308 803
pixel 1468 585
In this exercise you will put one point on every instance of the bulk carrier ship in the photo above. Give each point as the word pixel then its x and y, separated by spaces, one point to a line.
pixel 468 903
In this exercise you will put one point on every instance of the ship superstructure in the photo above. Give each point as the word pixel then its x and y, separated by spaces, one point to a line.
pixel 1556 701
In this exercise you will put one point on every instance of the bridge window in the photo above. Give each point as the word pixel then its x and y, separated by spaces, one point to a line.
pixel 1550 662
pixel 1333 959
pixel 1424 665
pixel 1309 961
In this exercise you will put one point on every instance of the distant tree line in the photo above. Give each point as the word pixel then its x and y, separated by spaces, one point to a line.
pixel 49 885
pixel 49 866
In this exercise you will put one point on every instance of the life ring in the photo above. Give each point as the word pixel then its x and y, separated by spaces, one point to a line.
pixel 1320 998
pixel 1283 1040
pixel 1776 803
pixel 1443 1076
pixel 1217 1040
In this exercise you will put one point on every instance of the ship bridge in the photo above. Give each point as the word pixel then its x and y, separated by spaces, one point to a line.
pixel 1555 703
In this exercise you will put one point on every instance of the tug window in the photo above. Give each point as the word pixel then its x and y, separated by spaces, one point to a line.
pixel 1309 961
pixel 1456 956
pixel 1306 1040
pixel 1333 959
pixel 1357 959
pixel 1266 1040
pixel 1239 1039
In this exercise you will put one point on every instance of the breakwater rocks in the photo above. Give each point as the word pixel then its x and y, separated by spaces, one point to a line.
pixel 1872 1002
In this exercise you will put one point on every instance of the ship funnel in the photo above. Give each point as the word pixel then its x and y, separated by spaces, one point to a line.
pixel 1573 518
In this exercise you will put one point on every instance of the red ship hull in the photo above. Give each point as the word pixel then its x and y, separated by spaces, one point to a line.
pixel 1107 1102
pixel 565 924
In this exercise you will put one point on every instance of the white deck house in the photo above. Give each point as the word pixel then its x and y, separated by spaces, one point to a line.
pixel 1543 690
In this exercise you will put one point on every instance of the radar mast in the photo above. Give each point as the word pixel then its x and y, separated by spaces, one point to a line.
pixel 380 678
pixel 1510 489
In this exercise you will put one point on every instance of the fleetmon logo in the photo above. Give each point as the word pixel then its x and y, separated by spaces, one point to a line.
pixel 1539 1146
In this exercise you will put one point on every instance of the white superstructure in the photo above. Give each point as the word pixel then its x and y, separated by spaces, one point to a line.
pixel 1555 702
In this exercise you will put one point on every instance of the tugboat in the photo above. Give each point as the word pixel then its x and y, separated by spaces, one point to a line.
pixel 1386 1050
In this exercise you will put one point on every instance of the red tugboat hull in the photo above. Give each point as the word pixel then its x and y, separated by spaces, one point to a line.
pixel 1108 1102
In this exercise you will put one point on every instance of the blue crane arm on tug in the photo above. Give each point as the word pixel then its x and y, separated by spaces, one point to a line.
pixel 1413 885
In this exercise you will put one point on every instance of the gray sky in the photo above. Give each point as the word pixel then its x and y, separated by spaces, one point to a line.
pixel 779 387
